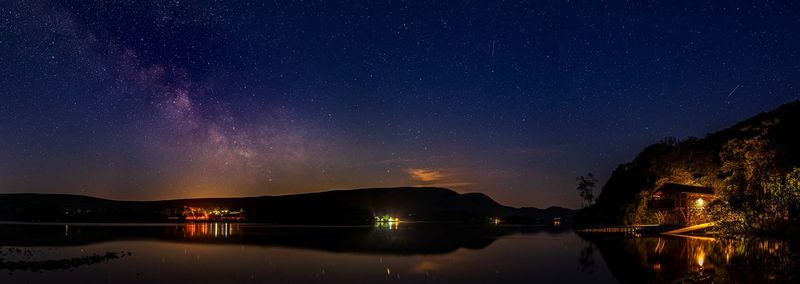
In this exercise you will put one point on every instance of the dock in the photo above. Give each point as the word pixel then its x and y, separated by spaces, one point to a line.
pixel 647 229
pixel 689 229
pixel 619 229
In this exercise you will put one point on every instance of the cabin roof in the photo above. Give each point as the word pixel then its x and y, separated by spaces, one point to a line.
pixel 683 188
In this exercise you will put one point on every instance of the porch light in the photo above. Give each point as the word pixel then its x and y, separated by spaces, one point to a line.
pixel 699 203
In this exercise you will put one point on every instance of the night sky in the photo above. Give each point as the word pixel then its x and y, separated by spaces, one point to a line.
pixel 175 99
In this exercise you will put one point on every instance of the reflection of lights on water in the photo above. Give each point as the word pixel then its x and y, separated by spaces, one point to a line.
pixel 701 258
pixel 728 253
pixel 691 251
pixel 387 221
pixel 210 230
pixel 657 266
pixel 660 246
pixel 770 247
pixel 684 259
pixel 387 225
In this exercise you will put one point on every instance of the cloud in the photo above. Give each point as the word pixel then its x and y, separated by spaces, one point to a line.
pixel 425 175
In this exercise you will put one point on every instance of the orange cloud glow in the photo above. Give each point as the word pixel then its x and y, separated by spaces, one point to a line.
pixel 424 175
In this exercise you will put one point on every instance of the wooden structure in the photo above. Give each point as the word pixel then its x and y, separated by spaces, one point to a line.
pixel 630 229
pixel 679 232
pixel 679 204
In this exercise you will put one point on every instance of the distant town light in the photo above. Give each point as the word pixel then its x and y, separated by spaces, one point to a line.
pixel 386 219
pixel 211 214
pixel 387 222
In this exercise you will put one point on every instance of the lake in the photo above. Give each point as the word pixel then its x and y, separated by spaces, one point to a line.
pixel 397 253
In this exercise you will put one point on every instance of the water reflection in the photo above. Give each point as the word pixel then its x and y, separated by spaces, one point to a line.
pixel 390 225
pixel 210 230
pixel 698 259
pixel 249 253
pixel 408 252
pixel 382 238
pixel 586 260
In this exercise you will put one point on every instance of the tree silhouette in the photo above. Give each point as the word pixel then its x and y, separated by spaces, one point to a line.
pixel 586 188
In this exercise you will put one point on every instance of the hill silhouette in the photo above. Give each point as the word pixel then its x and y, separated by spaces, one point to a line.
pixel 357 206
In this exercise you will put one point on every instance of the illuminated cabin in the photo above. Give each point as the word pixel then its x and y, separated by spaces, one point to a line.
pixel 679 204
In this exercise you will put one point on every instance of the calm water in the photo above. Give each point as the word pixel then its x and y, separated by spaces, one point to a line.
pixel 410 253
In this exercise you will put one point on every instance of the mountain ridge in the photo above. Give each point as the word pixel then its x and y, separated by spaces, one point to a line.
pixel 356 206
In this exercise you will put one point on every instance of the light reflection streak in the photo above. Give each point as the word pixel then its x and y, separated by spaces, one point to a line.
pixel 215 230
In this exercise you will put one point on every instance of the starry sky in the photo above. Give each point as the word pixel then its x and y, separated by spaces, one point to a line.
pixel 173 99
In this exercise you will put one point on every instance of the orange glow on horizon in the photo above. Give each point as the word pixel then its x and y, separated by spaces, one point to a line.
pixel 425 175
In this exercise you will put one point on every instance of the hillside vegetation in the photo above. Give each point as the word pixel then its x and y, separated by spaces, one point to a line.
pixel 752 166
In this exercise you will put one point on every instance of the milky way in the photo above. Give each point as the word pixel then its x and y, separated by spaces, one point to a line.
pixel 173 99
